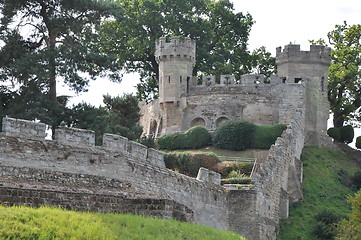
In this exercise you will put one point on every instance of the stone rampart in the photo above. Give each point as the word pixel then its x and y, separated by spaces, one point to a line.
pixel 206 200
pixel 276 183
pixel 109 178
pixel 81 137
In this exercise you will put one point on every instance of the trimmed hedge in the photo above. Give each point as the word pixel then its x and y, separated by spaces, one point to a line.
pixel 189 164
pixel 195 137
pixel 335 133
pixel 343 134
pixel 358 142
pixel 234 135
pixel 265 136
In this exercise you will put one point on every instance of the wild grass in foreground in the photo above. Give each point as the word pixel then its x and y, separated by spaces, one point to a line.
pixel 55 223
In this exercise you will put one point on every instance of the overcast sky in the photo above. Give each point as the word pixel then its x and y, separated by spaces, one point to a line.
pixel 278 22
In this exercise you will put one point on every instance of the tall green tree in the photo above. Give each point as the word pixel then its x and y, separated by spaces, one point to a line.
pixel 344 86
pixel 46 41
pixel 120 115
pixel 220 33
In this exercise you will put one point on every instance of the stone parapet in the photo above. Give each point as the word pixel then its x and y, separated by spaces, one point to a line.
pixel 74 136
pixel 23 128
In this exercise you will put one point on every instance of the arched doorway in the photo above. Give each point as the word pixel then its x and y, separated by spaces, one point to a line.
pixel 198 122
pixel 221 120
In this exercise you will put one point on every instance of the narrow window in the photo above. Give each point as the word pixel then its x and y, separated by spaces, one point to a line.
pixel 298 80
pixel 322 84
pixel 284 80
pixel 168 79
pixel 188 78
pixel 180 79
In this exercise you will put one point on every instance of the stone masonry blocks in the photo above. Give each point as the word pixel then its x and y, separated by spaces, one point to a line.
pixel 75 136
pixel 23 128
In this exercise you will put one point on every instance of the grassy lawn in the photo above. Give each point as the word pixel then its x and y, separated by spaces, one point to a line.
pixel 54 223
pixel 326 186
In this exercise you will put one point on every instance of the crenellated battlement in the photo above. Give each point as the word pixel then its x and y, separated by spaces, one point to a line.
pixel 246 80
pixel 292 53
pixel 82 138
pixel 176 48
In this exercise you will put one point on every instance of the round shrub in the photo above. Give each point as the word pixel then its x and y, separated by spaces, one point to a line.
pixel 171 141
pixel 265 136
pixel 335 133
pixel 195 137
pixel 234 135
pixel 358 142
pixel 347 134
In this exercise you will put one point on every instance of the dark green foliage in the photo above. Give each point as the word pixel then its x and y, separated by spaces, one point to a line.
pixel 243 180
pixel 347 134
pixel 344 134
pixel 234 135
pixel 221 43
pixel 195 137
pixel 243 168
pixel 119 116
pixel 265 136
pixel 149 142
pixel 46 41
pixel 189 164
pixel 358 142
pixel 335 133
pixel 356 179
pixel 325 227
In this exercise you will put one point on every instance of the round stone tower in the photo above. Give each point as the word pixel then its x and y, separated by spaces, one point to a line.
pixel 311 67
pixel 175 59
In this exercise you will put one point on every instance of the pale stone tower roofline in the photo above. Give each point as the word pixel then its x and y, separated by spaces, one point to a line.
pixel 292 53
pixel 175 48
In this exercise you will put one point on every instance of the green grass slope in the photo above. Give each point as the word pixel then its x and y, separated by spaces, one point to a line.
pixel 326 186
pixel 54 223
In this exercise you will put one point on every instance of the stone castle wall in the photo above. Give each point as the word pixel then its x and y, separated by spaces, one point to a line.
pixel 208 202
pixel 109 179
pixel 210 105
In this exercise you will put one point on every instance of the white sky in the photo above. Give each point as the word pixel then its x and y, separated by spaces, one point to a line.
pixel 278 22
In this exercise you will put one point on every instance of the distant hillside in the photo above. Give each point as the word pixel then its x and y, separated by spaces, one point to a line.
pixel 327 183
pixel 55 223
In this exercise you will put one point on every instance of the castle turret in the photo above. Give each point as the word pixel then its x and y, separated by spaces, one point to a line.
pixel 311 67
pixel 175 59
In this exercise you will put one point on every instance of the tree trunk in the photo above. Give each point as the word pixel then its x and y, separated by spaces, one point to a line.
pixel 338 119
pixel 52 87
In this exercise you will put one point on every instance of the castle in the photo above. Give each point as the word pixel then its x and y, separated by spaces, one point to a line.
pixel 301 83
pixel 125 176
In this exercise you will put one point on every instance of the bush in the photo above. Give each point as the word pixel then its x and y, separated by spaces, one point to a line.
pixel 234 135
pixel 189 164
pixel 149 142
pixel 356 179
pixel 325 227
pixel 244 168
pixel 195 137
pixel 343 134
pixel 335 133
pixel 347 134
pixel 243 180
pixel 358 142
pixel 265 136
